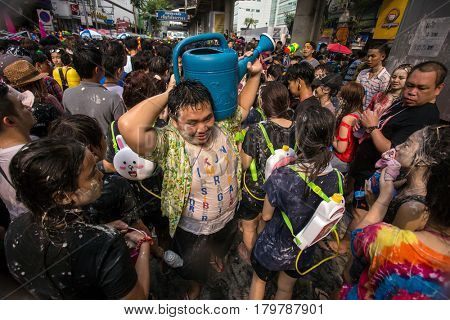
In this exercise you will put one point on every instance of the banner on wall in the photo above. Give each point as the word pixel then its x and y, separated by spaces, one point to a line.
pixel 391 14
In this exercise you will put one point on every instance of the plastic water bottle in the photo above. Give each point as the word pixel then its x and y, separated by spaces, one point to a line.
pixel 172 259
pixel 359 133
pixel 375 182
pixel 359 195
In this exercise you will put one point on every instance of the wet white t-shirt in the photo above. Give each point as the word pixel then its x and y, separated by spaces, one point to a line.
pixel 7 192
pixel 213 197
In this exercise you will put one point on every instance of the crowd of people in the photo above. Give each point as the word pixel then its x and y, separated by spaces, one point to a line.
pixel 79 221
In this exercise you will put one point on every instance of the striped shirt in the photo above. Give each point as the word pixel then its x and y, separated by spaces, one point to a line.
pixel 372 86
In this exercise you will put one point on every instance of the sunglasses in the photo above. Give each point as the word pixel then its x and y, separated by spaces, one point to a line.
pixel 56 50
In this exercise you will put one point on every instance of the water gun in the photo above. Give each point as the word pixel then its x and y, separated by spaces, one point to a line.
pixel 292 48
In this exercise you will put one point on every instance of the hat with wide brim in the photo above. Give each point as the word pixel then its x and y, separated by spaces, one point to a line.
pixel 22 72
pixel 6 59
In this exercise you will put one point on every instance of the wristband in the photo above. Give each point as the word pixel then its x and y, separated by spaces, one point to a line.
pixel 370 129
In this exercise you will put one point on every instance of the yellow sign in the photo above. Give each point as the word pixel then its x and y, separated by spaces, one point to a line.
pixel 391 14
pixel 98 15
pixel 219 22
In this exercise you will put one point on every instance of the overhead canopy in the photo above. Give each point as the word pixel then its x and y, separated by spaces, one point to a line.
pixel 90 34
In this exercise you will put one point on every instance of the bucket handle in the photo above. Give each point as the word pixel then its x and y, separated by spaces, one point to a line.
pixel 185 42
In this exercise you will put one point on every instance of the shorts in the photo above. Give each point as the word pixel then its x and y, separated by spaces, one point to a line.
pixel 340 165
pixel 196 250
pixel 248 210
pixel 266 274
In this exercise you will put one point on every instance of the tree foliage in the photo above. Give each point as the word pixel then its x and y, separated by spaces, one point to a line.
pixel 149 8
pixel 289 20
pixel 250 22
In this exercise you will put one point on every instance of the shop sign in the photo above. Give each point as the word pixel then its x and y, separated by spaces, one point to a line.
pixel 429 37
pixel 74 9
pixel 391 14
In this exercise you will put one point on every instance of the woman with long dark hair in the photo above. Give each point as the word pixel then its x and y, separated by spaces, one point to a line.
pixel 259 143
pixel 54 251
pixel 344 144
pixel 290 197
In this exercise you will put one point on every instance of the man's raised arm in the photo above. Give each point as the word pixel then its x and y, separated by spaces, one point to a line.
pixel 136 125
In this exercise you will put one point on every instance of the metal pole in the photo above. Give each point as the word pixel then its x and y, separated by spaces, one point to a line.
pixel 135 20
pixel 95 14
pixel 85 13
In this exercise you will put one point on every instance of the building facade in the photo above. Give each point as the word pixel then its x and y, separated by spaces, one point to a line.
pixel 71 15
pixel 258 10
pixel 279 10
pixel 269 13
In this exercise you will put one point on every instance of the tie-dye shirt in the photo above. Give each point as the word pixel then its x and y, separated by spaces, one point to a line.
pixel 399 266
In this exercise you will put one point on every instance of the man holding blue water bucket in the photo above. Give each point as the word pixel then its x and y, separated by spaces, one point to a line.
pixel 197 150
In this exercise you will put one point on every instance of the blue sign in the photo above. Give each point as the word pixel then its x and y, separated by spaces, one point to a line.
pixel 171 16
pixel 109 21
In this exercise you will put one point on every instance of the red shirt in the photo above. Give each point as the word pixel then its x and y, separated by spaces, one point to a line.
pixel 349 153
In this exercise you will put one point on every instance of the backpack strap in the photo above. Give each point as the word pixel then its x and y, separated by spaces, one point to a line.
pixel 316 189
pixel 113 138
pixel 266 137
pixel 252 168
pixel 65 75
pixel 64 83
pixel 261 112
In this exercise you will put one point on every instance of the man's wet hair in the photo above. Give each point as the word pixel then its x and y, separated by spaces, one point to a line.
pixel 115 57
pixel 79 127
pixel 131 43
pixel 432 66
pixel 141 60
pixel 38 58
pixel 86 59
pixel 66 59
pixel 139 85
pixel 313 44
pixel 383 49
pixel 303 71
pixel 158 65
pixel 188 93
pixel 164 51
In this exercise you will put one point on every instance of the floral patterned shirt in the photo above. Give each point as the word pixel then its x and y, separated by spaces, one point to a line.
pixel 171 154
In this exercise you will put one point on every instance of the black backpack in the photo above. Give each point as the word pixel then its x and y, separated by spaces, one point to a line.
pixel 63 77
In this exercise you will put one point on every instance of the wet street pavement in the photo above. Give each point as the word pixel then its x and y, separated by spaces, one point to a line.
pixel 234 282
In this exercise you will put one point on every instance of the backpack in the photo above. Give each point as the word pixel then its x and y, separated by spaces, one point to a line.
pixel 63 77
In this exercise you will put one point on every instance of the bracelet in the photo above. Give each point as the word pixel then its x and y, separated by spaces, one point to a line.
pixel 144 239
pixel 370 129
